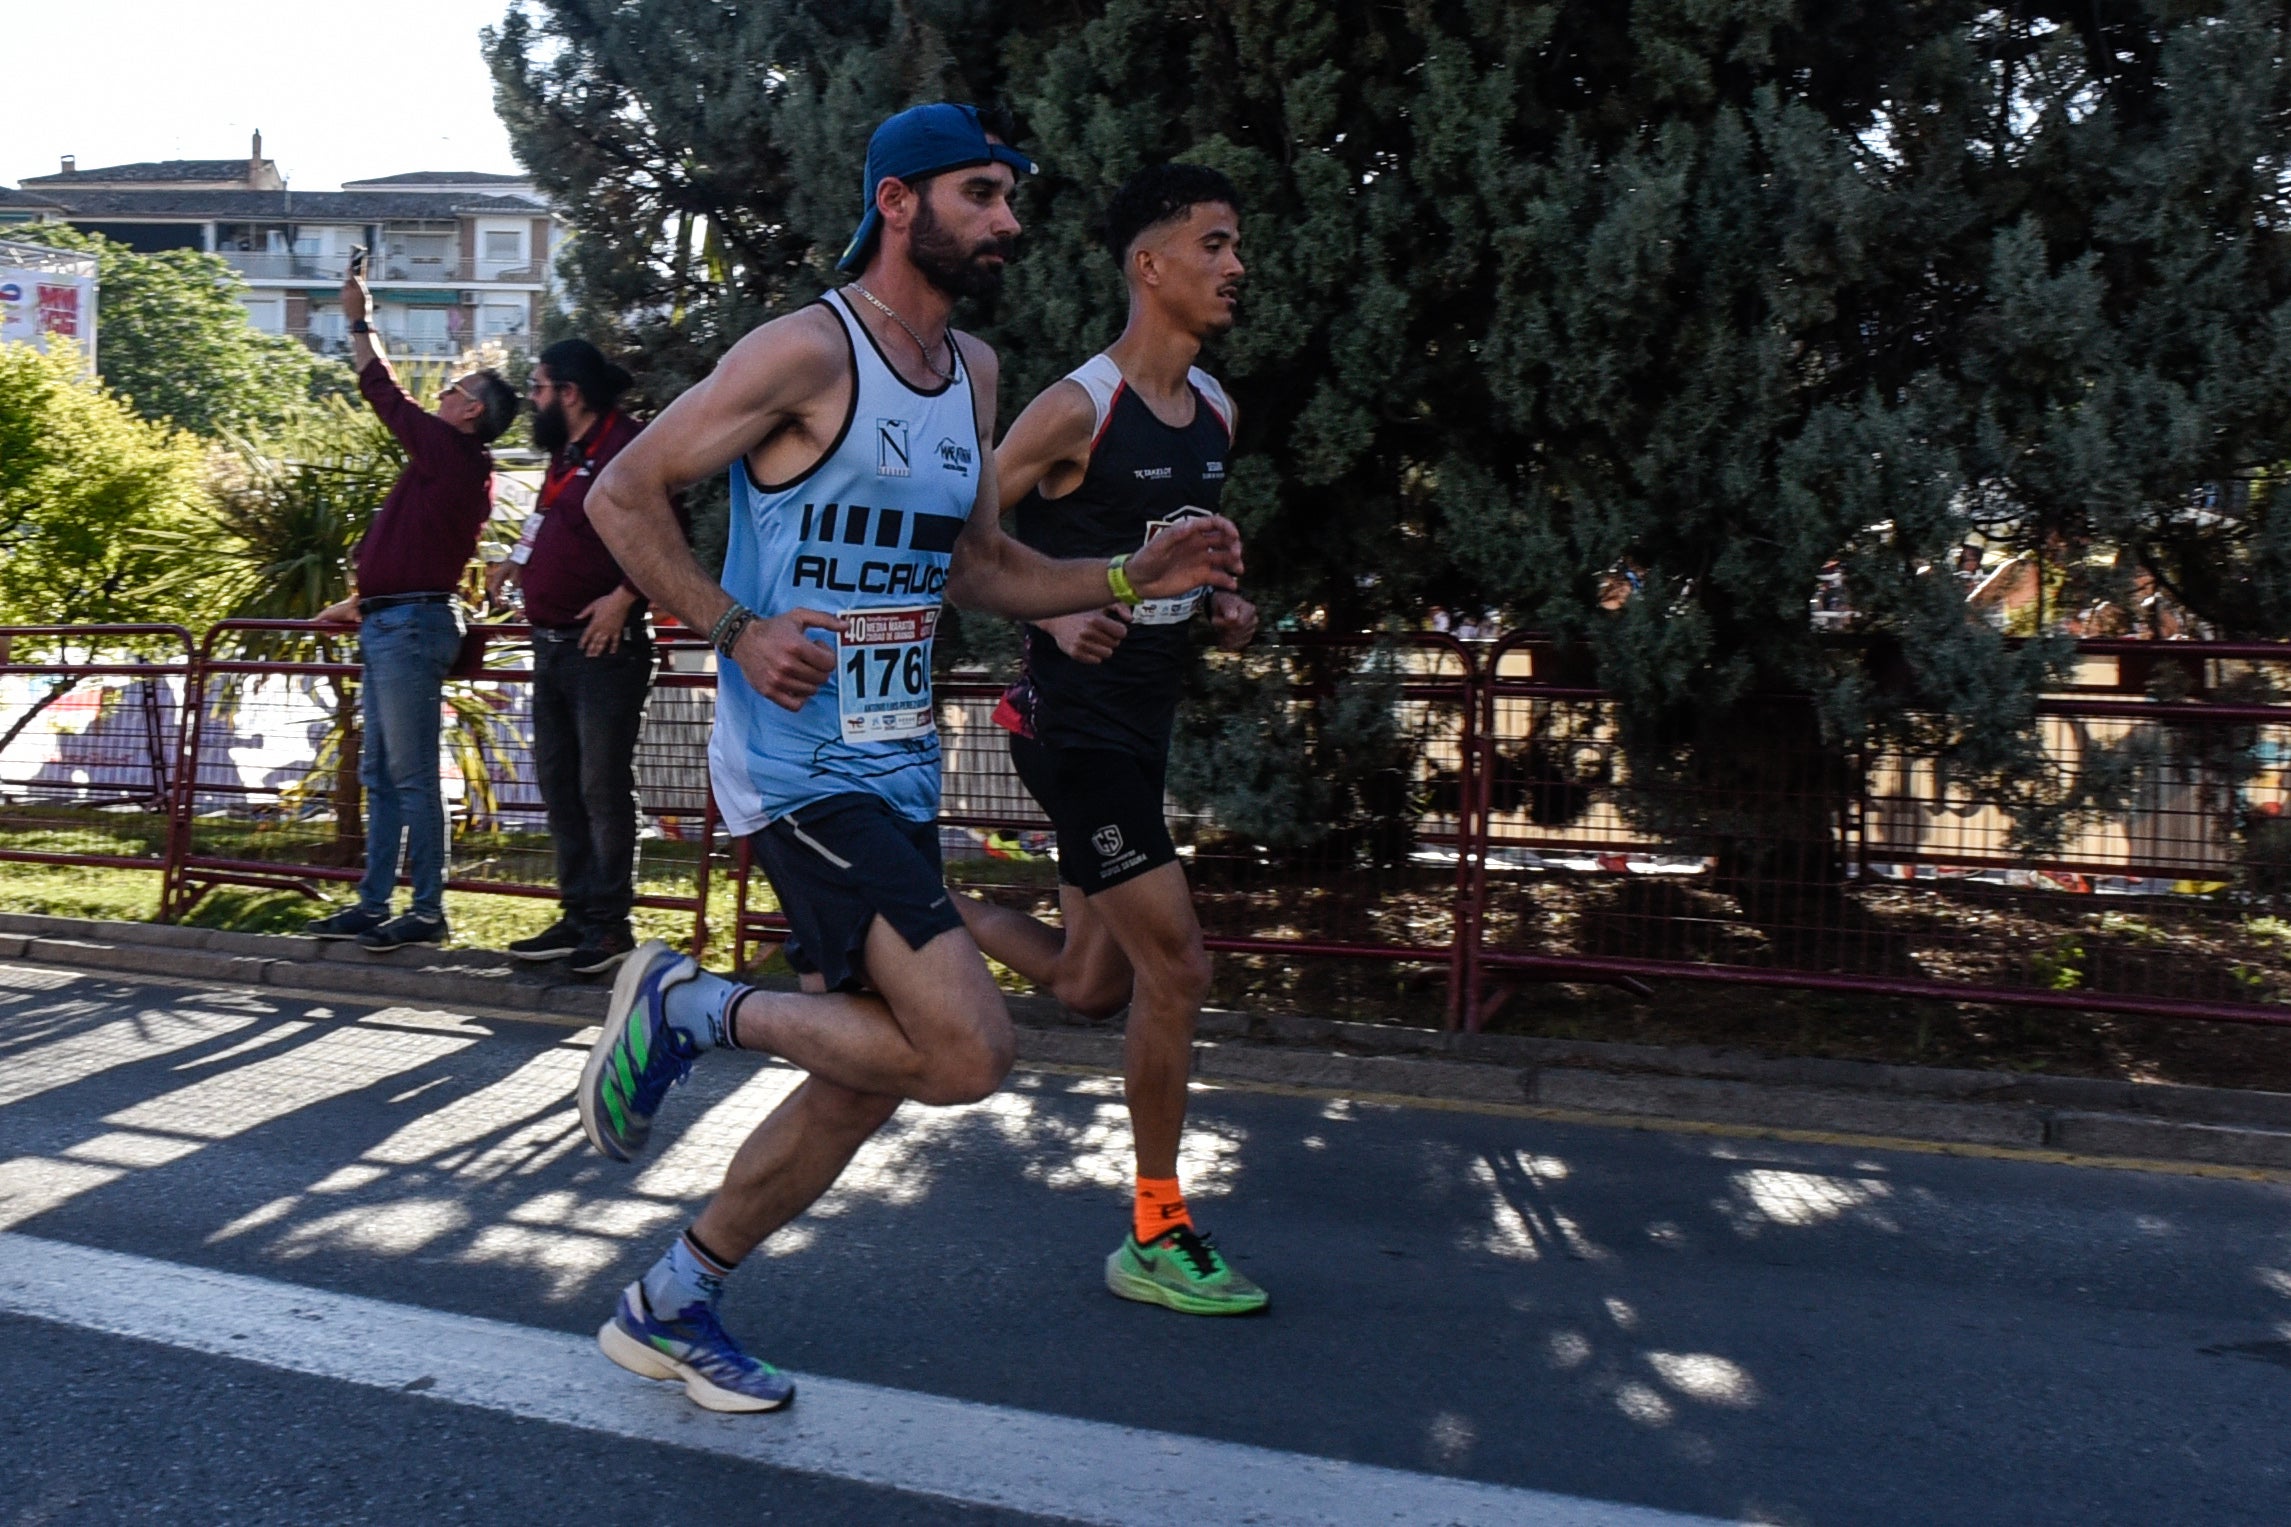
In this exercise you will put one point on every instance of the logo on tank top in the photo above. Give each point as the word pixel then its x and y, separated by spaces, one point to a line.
pixel 1154 474
pixel 1169 612
pixel 891 449
pixel 954 458
pixel 1213 471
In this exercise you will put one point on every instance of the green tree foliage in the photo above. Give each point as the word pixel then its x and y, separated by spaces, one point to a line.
pixel 1715 290
pixel 82 481
pixel 708 156
pixel 173 339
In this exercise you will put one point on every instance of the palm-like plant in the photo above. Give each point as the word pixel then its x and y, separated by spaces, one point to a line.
pixel 286 512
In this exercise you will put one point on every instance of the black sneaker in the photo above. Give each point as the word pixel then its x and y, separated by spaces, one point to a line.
pixel 406 928
pixel 350 922
pixel 600 952
pixel 560 939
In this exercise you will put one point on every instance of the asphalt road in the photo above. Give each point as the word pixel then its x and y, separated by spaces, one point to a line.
pixel 1722 1326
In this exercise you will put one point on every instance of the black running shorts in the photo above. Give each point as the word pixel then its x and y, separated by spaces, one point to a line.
pixel 1106 805
pixel 840 863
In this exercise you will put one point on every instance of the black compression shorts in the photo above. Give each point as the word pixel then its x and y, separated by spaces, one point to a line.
pixel 1106 805
pixel 840 863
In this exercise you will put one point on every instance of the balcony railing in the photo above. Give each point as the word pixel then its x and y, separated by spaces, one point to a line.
pixel 444 270
pixel 402 346
pixel 453 271
pixel 266 265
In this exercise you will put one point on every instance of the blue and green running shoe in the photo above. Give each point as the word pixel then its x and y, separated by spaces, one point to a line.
pixel 639 1056
pixel 1184 1271
pixel 692 1347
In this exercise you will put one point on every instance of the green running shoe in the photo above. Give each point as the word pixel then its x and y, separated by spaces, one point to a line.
pixel 639 1056
pixel 1183 1271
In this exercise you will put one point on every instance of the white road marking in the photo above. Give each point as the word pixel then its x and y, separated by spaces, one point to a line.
pixel 924 1444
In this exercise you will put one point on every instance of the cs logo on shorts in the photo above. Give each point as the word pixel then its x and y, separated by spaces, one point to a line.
pixel 1107 841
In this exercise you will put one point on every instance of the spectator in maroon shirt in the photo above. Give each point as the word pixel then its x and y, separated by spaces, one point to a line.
pixel 592 661
pixel 409 628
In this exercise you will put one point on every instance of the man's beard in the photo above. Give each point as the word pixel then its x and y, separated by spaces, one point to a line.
pixel 551 431
pixel 946 264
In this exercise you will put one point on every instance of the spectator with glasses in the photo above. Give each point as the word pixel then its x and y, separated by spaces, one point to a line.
pixel 592 661
pixel 410 622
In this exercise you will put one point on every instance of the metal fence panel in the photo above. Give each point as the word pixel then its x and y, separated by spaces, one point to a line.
pixel 1507 840
pixel 90 736
pixel 271 796
pixel 1797 865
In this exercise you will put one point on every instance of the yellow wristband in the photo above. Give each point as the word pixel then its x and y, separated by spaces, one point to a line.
pixel 1119 581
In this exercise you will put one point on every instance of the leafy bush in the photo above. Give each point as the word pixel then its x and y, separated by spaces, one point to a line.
pixel 84 487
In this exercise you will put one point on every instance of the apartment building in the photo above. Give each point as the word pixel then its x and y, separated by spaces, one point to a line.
pixel 458 258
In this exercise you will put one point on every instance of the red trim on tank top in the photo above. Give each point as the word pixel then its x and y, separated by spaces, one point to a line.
pixel 1107 422
pixel 1215 412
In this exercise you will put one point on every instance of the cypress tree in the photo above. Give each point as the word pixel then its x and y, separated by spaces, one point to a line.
pixel 1712 290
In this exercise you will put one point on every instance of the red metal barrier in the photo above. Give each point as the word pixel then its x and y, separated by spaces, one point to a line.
pixel 1526 850
pixel 269 794
pixel 1320 903
pixel 1792 866
pixel 90 738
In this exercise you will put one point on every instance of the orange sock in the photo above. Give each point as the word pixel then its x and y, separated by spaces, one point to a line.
pixel 1160 1208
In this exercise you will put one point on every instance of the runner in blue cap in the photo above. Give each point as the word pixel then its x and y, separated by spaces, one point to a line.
pixel 858 434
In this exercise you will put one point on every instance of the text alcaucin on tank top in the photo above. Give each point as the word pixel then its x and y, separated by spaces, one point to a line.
pixel 867 534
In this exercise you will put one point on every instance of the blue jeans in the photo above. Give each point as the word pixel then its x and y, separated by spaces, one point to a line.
pixel 406 650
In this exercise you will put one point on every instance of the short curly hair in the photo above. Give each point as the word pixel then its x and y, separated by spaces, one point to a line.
pixel 1159 193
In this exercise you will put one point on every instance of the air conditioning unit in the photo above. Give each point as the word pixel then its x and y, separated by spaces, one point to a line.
pixel 471 299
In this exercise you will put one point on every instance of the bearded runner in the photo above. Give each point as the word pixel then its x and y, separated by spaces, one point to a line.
pixel 854 430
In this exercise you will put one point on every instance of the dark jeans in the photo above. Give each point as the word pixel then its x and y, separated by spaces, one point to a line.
pixel 586 715
pixel 406 651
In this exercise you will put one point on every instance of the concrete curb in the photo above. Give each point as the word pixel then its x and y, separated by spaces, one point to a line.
pixel 2205 1126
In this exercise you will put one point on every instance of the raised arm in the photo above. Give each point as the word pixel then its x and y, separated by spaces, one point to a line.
pixel 415 428
pixel 774 379
pixel 995 573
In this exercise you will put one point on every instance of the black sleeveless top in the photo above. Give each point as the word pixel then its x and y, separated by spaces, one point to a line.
pixel 1141 471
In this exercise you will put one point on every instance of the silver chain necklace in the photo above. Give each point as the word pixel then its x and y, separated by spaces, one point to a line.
pixel 924 350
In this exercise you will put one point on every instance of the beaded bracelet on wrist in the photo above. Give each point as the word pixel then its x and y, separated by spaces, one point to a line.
pixel 726 632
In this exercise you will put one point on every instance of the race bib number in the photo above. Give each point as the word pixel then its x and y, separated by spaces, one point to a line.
pixel 1170 612
pixel 885 656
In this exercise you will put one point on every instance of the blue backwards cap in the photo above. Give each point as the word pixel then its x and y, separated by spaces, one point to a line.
pixel 920 141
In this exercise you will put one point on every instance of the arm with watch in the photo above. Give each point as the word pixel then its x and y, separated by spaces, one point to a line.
pixel 791 377
pixel 1048 448
pixel 418 430
pixel 1001 575
pixel 357 307
pixel 794 375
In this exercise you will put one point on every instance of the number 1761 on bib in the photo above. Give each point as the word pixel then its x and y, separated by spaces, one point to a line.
pixel 885 672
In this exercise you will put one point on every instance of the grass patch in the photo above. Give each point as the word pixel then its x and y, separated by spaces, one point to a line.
pixel 477 921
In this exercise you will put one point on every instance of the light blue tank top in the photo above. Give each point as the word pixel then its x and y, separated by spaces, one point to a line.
pixel 871 530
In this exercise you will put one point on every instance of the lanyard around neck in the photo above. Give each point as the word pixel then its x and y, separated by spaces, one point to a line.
pixel 554 482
